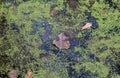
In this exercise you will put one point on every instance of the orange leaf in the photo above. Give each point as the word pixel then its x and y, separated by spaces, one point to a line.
pixel 29 74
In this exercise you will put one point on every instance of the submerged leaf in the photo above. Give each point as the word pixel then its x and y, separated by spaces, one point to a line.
pixel 62 41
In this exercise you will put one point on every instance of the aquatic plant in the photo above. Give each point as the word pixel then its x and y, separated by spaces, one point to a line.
pixel 27 30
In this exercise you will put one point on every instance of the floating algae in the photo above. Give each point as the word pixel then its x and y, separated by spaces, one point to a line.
pixel 29 28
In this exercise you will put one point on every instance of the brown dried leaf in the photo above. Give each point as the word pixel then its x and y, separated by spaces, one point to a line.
pixel 63 36
pixel 13 74
pixel 86 26
pixel 54 12
pixel 104 11
pixel 29 74
pixel 62 41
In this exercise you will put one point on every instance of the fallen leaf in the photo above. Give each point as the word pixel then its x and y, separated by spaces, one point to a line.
pixel 73 4
pixel 53 12
pixel 70 34
pixel 91 2
pixel 63 36
pixel 29 74
pixel 62 41
pixel 13 74
pixel 104 11
pixel 118 6
pixel 86 26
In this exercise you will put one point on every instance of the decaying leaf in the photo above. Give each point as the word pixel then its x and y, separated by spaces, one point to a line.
pixel 62 41
pixel 13 74
pixel 73 3
pixel 70 34
pixel 29 74
pixel 86 26
pixel 118 6
pixel 91 2
pixel 63 36
pixel 104 11
pixel 54 12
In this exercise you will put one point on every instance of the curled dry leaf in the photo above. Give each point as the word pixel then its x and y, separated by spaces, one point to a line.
pixel 29 74
pixel 13 74
pixel 86 26
pixel 62 41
